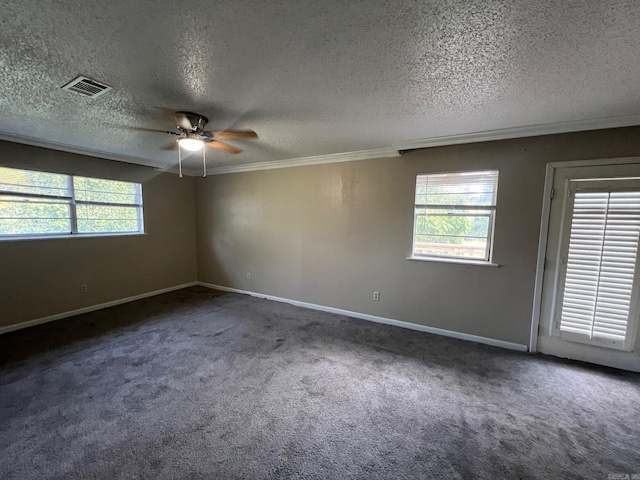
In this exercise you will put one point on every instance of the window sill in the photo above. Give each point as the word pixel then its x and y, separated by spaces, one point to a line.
pixel 463 261
pixel 77 235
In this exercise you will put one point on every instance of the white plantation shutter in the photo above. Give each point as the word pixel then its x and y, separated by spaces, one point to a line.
pixel 598 294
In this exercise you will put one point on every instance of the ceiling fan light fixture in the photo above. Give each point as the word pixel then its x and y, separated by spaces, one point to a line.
pixel 191 144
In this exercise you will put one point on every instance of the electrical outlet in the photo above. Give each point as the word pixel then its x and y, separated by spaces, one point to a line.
pixel 376 295
pixel 83 288
pixel 248 276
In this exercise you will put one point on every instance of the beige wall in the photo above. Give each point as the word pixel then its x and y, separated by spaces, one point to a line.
pixel 42 277
pixel 332 234
pixel 325 234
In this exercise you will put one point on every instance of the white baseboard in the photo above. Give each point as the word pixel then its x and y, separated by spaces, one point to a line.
pixel 373 318
pixel 92 308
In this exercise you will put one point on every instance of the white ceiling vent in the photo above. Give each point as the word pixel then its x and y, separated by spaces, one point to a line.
pixel 86 86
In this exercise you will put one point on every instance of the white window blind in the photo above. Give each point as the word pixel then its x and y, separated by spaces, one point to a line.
pixel 50 204
pixel 455 214
pixel 599 276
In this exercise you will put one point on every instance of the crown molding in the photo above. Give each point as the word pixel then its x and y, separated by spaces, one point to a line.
pixel 303 161
pixel 193 172
pixel 482 136
pixel 393 151
pixel 521 132
pixel 64 147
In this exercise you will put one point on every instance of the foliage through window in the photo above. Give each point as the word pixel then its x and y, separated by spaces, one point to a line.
pixel 52 204
pixel 454 215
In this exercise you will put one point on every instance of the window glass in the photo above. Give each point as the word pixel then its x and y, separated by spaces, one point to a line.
pixel 36 183
pixel 454 215
pixel 40 204
pixel 105 191
pixel 99 218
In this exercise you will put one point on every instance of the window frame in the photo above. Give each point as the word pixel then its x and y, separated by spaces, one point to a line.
pixel 73 214
pixel 488 260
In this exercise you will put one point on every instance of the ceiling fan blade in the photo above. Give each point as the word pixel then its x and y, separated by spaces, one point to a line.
pixel 171 146
pixel 224 147
pixel 153 130
pixel 231 134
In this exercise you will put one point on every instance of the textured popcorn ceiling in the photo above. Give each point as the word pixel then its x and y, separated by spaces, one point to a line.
pixel 311 77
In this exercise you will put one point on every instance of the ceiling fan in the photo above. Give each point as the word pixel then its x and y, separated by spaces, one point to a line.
pixel 193 137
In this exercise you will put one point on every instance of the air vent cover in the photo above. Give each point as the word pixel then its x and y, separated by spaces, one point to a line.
pixel 86 86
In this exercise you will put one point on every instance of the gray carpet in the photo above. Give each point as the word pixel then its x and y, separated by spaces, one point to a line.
pixel 199 384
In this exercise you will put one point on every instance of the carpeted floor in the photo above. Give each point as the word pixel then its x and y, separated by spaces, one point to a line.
pixel 199 384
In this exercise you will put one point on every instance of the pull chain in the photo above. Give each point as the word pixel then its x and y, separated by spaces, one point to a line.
pixel 204 161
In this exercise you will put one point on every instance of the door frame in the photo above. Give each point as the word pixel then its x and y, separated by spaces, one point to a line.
pixel 544 231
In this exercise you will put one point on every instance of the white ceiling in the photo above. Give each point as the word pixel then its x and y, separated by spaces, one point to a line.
pixel 313 77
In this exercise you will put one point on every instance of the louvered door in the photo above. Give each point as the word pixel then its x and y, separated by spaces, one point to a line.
pixel 598 287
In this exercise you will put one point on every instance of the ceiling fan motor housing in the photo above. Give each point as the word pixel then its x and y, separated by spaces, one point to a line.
pixel 190 122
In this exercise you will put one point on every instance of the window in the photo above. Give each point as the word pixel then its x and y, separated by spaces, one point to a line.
pixel 598 263
pixel 454 215
pixel 34 204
